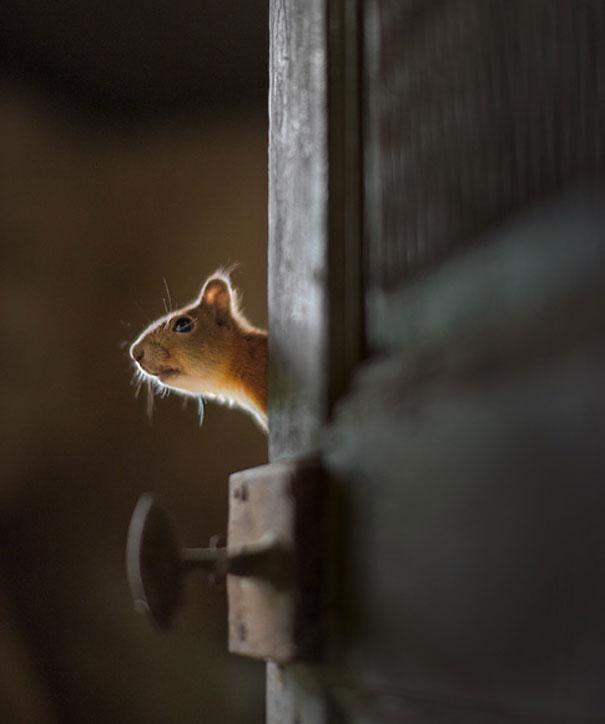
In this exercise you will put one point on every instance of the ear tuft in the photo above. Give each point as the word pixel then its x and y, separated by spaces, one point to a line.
pixel 216 295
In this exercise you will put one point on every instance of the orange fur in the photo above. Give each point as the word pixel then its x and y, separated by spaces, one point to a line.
pixel 222 357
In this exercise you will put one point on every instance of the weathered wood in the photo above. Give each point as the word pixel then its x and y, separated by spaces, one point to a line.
pixel 472 460
pixel 276 616
pixel 472 110
pixel 315 299
pixel 298 225
pixel 298 283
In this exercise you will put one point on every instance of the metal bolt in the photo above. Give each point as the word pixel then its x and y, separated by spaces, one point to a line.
pixel 156 563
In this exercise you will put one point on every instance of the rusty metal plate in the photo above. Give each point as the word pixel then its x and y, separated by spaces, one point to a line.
pixel 279 619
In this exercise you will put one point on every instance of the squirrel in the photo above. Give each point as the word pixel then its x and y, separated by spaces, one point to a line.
pixel 208 349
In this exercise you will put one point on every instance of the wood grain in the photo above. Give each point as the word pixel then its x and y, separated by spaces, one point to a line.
pixel 298 225
pixel 298 289
pixel 473 110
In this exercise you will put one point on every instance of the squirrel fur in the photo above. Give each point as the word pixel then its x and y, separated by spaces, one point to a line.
pixel 208 348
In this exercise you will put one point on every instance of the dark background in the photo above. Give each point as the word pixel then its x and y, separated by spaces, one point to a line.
pixel 133 148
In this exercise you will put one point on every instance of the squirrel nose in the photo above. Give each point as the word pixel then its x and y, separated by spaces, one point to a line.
pixel 137 352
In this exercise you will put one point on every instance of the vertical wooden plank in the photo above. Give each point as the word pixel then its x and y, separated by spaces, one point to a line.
pixel 298 282
pixel 473 110
pixel 315 300
pixel 298 224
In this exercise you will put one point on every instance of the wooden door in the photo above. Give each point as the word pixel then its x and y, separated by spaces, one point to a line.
pixel 435 210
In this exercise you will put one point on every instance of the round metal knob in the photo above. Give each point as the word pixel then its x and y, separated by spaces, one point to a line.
pixel 155 562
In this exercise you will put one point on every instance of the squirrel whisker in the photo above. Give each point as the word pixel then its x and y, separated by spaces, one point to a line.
pixel 207 350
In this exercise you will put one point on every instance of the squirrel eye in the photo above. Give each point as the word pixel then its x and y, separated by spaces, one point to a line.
pixel 183 324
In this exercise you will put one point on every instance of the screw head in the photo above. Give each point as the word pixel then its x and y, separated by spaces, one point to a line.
pixel 241 493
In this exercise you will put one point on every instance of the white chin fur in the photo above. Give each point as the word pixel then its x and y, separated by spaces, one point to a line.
pixel 184 385
pixel 179 384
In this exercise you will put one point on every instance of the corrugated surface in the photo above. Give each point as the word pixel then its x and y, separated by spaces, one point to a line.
pixel 473 109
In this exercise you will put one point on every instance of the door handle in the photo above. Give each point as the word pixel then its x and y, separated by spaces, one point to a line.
pixel 272 561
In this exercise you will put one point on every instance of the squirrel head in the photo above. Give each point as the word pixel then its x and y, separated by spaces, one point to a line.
pixel 191 350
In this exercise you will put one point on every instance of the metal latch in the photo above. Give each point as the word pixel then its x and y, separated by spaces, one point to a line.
pixel 272 561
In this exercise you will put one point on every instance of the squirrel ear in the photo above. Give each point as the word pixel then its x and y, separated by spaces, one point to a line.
pixel 216 295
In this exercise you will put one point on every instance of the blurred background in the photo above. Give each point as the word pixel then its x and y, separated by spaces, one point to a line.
pixel 133 149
